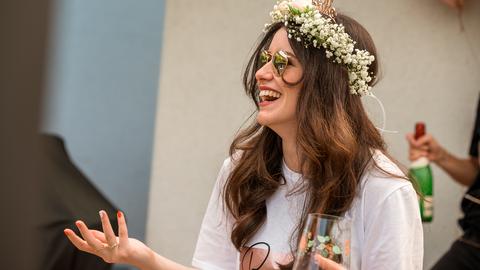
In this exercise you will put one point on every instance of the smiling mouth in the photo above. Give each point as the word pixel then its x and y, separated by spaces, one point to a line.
pixel 268 95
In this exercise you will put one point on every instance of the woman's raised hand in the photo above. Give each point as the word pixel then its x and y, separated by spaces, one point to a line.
pixel 107 245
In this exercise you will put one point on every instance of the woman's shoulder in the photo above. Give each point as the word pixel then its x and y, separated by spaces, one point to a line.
pixel 230 161
pixel 229 164
pixel 383 177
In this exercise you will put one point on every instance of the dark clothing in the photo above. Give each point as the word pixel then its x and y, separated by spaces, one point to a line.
pixel 69 196
pixel 460 256
pixel 470 223
pixel 464 254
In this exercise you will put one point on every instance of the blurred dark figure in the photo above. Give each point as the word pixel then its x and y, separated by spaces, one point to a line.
pixel 70 195
pixel 23 46
pixel 41 192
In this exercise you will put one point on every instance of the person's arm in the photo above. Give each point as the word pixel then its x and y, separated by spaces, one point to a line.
pixel 461 170
pixel 158 262
pixel 121 249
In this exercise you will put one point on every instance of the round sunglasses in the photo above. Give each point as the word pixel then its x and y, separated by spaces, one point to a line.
pixel 279 60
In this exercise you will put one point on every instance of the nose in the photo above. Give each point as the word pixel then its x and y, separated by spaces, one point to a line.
pixel 265 73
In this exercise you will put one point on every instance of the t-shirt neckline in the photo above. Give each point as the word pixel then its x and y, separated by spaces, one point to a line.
pixel 289 173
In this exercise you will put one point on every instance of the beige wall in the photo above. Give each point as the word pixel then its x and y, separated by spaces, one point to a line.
pixel 429 72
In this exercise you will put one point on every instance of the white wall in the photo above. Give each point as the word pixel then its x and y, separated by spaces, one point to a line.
pixel 429 73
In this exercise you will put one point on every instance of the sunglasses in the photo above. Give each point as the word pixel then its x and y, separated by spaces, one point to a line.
pixel 279 60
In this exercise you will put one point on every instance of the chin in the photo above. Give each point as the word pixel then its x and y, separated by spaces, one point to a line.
pixel 270 123
pixel 262 121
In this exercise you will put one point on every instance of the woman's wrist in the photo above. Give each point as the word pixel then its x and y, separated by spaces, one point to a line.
pixel 144 259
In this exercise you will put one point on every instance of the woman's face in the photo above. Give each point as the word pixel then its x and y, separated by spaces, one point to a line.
pixel 278 100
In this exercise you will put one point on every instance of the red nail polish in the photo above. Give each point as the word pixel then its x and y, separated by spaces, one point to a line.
pixel 119 214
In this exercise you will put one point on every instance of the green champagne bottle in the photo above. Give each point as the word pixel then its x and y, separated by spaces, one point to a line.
pixel 421 171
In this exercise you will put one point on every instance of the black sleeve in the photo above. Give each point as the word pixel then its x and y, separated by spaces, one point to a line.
pixel 475 135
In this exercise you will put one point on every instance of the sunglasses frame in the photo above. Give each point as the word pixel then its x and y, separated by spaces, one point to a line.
pixel 279 59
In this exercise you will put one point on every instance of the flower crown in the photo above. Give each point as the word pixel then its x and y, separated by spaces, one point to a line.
pixel 312 21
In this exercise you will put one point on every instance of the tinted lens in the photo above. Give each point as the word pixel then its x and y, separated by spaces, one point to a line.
pixel 280 62
pixel 264 57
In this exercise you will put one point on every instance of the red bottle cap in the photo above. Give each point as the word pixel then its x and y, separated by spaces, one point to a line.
pixel 419 130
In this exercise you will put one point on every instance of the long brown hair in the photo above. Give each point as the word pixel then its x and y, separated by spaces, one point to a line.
pixel 335 139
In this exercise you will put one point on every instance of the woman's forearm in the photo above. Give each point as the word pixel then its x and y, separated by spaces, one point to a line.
pixel 158 262
pixel 463 171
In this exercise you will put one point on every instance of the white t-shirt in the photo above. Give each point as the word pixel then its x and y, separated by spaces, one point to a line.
pixel 386 228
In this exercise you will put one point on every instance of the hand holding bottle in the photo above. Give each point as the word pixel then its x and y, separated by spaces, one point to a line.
pixel 423 149
pixel 425 146
pixel 110 248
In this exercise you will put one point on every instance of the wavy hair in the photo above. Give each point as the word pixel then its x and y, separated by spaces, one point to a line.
pixel 335 139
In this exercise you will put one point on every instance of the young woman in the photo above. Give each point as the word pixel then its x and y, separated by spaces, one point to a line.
pixel 312 149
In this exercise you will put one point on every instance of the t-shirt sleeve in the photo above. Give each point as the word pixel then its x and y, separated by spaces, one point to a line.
pixel 475 134
pixel 214 250
pixel 394 233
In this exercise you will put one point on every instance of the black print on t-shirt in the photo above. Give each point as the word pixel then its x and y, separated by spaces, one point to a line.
pixel 249 254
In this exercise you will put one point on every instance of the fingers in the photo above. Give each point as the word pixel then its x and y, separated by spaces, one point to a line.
pixel 107 229
pixel 413 143
pixel 414 155
pixel 410 138
pixel 99 235
pixel 122 228
pixel 94 243
pixel 426 139
pixel 327 264
pixel 78 242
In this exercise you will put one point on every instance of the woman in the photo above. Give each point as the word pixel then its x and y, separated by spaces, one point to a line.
pixel 312 148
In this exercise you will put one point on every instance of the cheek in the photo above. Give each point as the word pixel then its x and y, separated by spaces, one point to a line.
pixel 291 102
pixel 288 108
pixel 293 74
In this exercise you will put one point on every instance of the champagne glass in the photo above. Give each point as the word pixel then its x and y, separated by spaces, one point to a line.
pixel 324 244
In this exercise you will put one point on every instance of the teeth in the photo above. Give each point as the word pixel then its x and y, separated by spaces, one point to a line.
pixel 269 93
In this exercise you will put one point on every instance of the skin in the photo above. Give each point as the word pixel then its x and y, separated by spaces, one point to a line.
pixel 454 3
pixel 128 251
pixel 462 170
pixel 280 116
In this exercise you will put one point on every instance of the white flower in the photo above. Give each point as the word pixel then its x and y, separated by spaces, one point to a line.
pixel 353 76
pixel 310 27
pixel 283 6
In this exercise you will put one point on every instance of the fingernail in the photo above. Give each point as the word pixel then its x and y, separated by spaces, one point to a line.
pixel 65 232
pixel 100 213
pixel 78 223
pixel 119 214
